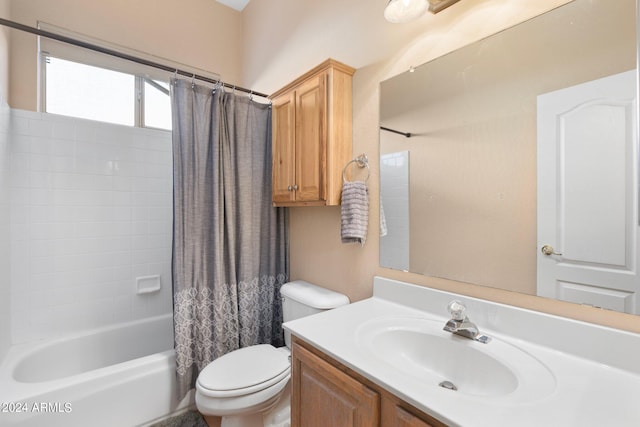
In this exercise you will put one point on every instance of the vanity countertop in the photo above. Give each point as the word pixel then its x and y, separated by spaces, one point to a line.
pixel 595 379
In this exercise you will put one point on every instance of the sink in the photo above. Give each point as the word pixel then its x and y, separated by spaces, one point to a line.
pixel 419 350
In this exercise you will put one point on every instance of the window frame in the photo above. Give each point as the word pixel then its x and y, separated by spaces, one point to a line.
pixel 56 49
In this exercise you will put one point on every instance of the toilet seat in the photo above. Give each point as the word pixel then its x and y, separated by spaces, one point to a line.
pixel 245 371
pixel 260 401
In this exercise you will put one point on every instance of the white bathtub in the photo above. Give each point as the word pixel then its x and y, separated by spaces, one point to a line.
pixel 119 376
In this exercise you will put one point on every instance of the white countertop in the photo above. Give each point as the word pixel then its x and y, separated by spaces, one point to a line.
pixel 595 390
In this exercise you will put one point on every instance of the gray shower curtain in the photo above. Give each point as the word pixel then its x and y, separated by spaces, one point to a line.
pixel 230 246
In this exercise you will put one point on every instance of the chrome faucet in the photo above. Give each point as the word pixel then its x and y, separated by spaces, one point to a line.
pixel 460 324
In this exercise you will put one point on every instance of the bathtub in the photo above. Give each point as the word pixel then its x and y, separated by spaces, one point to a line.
pixel 118 376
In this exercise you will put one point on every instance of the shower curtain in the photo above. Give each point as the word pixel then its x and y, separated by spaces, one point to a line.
pixel 230 246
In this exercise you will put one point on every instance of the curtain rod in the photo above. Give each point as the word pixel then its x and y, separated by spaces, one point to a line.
pixel 406 134
pixel 111 52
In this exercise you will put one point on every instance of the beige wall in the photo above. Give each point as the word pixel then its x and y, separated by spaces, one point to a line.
pixel 199 33
pixel 4 53
pixel 282 40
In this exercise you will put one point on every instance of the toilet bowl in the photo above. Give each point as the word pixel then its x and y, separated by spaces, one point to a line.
pixel 250 387
pixel 246 381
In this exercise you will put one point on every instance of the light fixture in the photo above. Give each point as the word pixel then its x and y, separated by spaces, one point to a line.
pixel 436 6
pixel 399 11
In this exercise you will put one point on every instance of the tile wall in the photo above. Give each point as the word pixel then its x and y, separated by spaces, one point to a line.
pixel 394 200
pixel 5 275
pixel 91 210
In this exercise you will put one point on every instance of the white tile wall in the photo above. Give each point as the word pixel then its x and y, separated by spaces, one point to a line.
pixel 91 209
pixel 394 197
pixel 5 276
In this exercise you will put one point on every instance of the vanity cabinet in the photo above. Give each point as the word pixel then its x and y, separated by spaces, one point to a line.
pixel 323 395
pixel 326 393
pixel 401 418
pixel 312 127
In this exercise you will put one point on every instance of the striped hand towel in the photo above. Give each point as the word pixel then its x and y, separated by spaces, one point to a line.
pixel 355 212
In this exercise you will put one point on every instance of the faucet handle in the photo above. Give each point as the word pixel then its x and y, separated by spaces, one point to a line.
pixel 457 310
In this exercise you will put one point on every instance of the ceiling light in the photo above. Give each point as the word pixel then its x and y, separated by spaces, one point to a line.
pixel 399 11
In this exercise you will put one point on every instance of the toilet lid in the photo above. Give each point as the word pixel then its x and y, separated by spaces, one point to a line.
pixel 248 369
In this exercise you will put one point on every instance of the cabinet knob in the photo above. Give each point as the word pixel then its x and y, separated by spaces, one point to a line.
pixel 295 187
pixel 289 188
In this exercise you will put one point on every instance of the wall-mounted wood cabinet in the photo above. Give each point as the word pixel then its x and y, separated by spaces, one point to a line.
pixel 312 127
pixel 326 393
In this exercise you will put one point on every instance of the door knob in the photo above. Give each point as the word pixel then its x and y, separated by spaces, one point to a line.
pixel 548 250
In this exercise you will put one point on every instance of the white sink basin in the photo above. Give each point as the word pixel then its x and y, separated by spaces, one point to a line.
pixel 420 350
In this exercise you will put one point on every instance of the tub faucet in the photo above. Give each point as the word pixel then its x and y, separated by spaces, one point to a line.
pixel 460 324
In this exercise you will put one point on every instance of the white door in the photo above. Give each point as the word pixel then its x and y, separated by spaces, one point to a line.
pixel 587 194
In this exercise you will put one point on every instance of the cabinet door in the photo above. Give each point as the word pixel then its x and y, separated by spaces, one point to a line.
pixel 283 141
pixel 405 419
pixel 325 396
pixel 310 139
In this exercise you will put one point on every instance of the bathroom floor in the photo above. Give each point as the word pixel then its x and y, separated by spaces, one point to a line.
pixel 187 419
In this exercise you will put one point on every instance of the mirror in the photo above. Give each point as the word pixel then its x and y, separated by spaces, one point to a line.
pixel 462 197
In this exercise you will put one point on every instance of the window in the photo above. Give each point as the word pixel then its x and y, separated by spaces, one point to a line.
pixel 88 92
pixel 91 92
pixel 157 107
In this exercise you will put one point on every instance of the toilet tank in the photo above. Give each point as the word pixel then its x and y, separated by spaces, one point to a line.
pixel 300 299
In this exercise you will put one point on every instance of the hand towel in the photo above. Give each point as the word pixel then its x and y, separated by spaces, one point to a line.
pixel 355 212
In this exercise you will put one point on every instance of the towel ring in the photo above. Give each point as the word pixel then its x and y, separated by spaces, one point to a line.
pixel 362 161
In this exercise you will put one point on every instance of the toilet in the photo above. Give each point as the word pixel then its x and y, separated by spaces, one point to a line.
pixel 249 387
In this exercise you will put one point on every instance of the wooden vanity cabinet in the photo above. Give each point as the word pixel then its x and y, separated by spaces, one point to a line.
pixel 326 393
pixel 311 144
pixel 396 416
pixel 323 395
